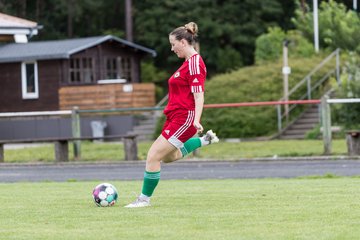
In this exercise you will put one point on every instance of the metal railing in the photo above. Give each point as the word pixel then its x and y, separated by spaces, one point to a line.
pixel 326 119
pixel 35 114
pixel 310 88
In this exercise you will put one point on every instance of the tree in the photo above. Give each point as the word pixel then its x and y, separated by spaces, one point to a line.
pixel 339 27
pixel 227 29
pixel 269 46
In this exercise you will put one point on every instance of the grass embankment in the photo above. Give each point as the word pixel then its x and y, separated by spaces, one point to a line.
pixel 222 150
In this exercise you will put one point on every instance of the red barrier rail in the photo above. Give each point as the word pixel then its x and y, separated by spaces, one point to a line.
pixel 250 104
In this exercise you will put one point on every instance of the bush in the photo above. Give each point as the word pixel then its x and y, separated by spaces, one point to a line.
pixel 314 133
pixel 348 114
pixel 269 46
pixel 339 27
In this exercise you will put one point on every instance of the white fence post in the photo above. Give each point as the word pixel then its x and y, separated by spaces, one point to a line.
pixel 326 124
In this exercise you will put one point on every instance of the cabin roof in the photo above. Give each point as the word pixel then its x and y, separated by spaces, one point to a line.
pixel 59 49
pixel 8 21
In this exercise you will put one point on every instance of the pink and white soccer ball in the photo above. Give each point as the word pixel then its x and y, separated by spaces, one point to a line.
pixel 105 195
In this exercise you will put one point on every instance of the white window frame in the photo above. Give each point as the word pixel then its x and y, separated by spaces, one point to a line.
pixel 25 94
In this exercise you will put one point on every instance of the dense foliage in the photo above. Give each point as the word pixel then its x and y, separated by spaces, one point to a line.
pixel 227 29
pixel 269 46
pixel 348 115
pixel 70 18
pixel 339 27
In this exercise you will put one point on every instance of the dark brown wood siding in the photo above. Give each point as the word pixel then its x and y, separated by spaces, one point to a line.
pixel 10 88
pixel 54 74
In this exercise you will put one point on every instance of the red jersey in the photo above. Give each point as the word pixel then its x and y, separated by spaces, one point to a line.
pixel 188 79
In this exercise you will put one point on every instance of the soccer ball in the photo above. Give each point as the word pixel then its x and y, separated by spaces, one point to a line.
pixel 105 195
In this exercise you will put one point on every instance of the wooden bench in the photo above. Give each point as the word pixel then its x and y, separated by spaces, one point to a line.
pixel 61 145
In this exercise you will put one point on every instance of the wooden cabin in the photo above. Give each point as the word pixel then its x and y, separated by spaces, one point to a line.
pixel 14 29
pixel 92 73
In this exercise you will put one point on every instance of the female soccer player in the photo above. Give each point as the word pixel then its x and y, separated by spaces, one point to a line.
pixel 183 112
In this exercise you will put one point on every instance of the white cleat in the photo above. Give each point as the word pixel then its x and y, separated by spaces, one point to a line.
pixel 139 202
pixel 211 137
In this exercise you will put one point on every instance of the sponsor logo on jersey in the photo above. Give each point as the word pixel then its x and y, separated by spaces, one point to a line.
pixel 167 132
pixel 177 74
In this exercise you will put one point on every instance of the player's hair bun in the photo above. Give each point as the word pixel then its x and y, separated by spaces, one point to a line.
pixel 188 31
pixel 192 28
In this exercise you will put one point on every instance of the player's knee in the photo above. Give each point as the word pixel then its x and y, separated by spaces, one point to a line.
pixel 176 155
pixel 151 158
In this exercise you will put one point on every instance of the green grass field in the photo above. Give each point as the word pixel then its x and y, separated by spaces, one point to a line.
pixel 309 208
pixel 222 150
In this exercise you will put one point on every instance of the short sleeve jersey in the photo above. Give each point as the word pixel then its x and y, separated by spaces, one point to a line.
pixel 187 80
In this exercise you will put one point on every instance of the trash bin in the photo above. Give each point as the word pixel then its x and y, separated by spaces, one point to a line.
pixel 98 129
pixel 353 142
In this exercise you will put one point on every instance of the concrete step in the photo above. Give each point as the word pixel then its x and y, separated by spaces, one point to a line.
pixel 312 110
pixel 296 131
pixel 303 126
pixel 310 115
pixel 146 126
pixel 307 120
pixel 288 137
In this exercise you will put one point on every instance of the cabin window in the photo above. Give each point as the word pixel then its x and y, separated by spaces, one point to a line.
pixel 29 80
pixel 126 68
pixel 113 70
pixel 118 68
pixel 81 71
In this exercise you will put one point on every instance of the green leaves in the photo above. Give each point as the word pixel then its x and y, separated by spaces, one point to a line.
pixel 338 26
pixel 269 46
pixel 348 115
pixel 227 29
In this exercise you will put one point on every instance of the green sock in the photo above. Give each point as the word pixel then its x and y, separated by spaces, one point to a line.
pixel 151 180
pixel 190 145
